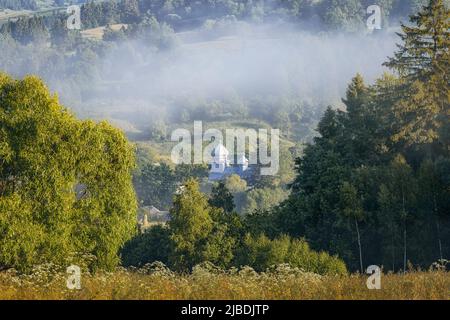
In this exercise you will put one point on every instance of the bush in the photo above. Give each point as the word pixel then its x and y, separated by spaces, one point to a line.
pixel 152 245
pixel 262 253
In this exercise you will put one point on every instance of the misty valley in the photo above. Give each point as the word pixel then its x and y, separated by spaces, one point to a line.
pixel 224 149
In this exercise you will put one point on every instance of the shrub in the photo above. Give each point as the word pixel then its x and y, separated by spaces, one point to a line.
pixel 150 246
pixel 261 253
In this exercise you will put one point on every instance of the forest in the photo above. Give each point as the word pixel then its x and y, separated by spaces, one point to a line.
pixel 18 4
pixel 85 135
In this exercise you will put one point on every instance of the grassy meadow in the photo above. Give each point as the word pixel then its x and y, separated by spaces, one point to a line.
pixel 245 284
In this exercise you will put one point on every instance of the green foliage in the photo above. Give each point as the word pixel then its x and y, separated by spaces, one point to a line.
pixel 235 184
pixel 261 253
pixel 423 62
pixel 203 233
pixel 368 189
pixel 400 198
pixel 130 11
pixel 152 245
pixel 152 32
pixel 378 173
pixel 110 35
pixel 191 224
pixel 156 184
pixel 65 184
pixel 262 199
pixel 27 30
pixel 343 14
pixel 220 245
pixel 350 202
pixel 221 197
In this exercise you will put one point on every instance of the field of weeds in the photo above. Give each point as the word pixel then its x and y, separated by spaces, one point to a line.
pixel 281 283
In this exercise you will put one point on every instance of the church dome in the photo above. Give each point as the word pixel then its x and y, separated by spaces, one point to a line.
pixel 220 151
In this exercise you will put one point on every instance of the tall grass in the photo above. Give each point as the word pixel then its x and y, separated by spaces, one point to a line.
pixel 281 283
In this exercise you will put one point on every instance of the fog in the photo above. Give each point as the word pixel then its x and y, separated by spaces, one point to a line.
pixel 249 61
pixel 242 61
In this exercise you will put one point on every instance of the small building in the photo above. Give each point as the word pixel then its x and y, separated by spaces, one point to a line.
pixel 150 216
pixel 221 166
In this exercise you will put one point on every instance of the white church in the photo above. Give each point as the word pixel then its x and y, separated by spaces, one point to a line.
pixel 221 166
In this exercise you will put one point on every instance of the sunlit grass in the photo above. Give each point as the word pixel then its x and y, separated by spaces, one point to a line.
pixel 201 284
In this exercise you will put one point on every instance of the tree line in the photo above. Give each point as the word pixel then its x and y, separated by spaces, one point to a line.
pixel 338 15
pixel 67 197
pixel 18 4
pixel 207 229
pixel 374 187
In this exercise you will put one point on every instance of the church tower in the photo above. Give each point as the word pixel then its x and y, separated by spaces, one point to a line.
pixel 220 159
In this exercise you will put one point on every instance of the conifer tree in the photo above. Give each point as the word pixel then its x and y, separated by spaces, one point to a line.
pixel 423 62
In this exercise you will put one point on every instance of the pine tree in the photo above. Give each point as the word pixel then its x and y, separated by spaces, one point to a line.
pixel 423 62
pixel 424 52
pixel 360 138
pixel 356 95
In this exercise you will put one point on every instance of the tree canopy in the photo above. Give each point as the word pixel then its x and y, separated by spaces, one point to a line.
pixel 374 187
pixel 65 184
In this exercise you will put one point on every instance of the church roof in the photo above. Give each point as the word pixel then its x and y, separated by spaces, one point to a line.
pixel 243 173
pixel 242 159
pixel 220 151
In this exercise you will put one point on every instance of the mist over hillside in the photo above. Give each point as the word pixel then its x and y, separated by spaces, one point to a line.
pixel 138 62
pixel 234 65
pixel 252 60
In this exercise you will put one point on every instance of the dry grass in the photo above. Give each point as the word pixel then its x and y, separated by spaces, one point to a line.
pixel 97 33
pixel 246 284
